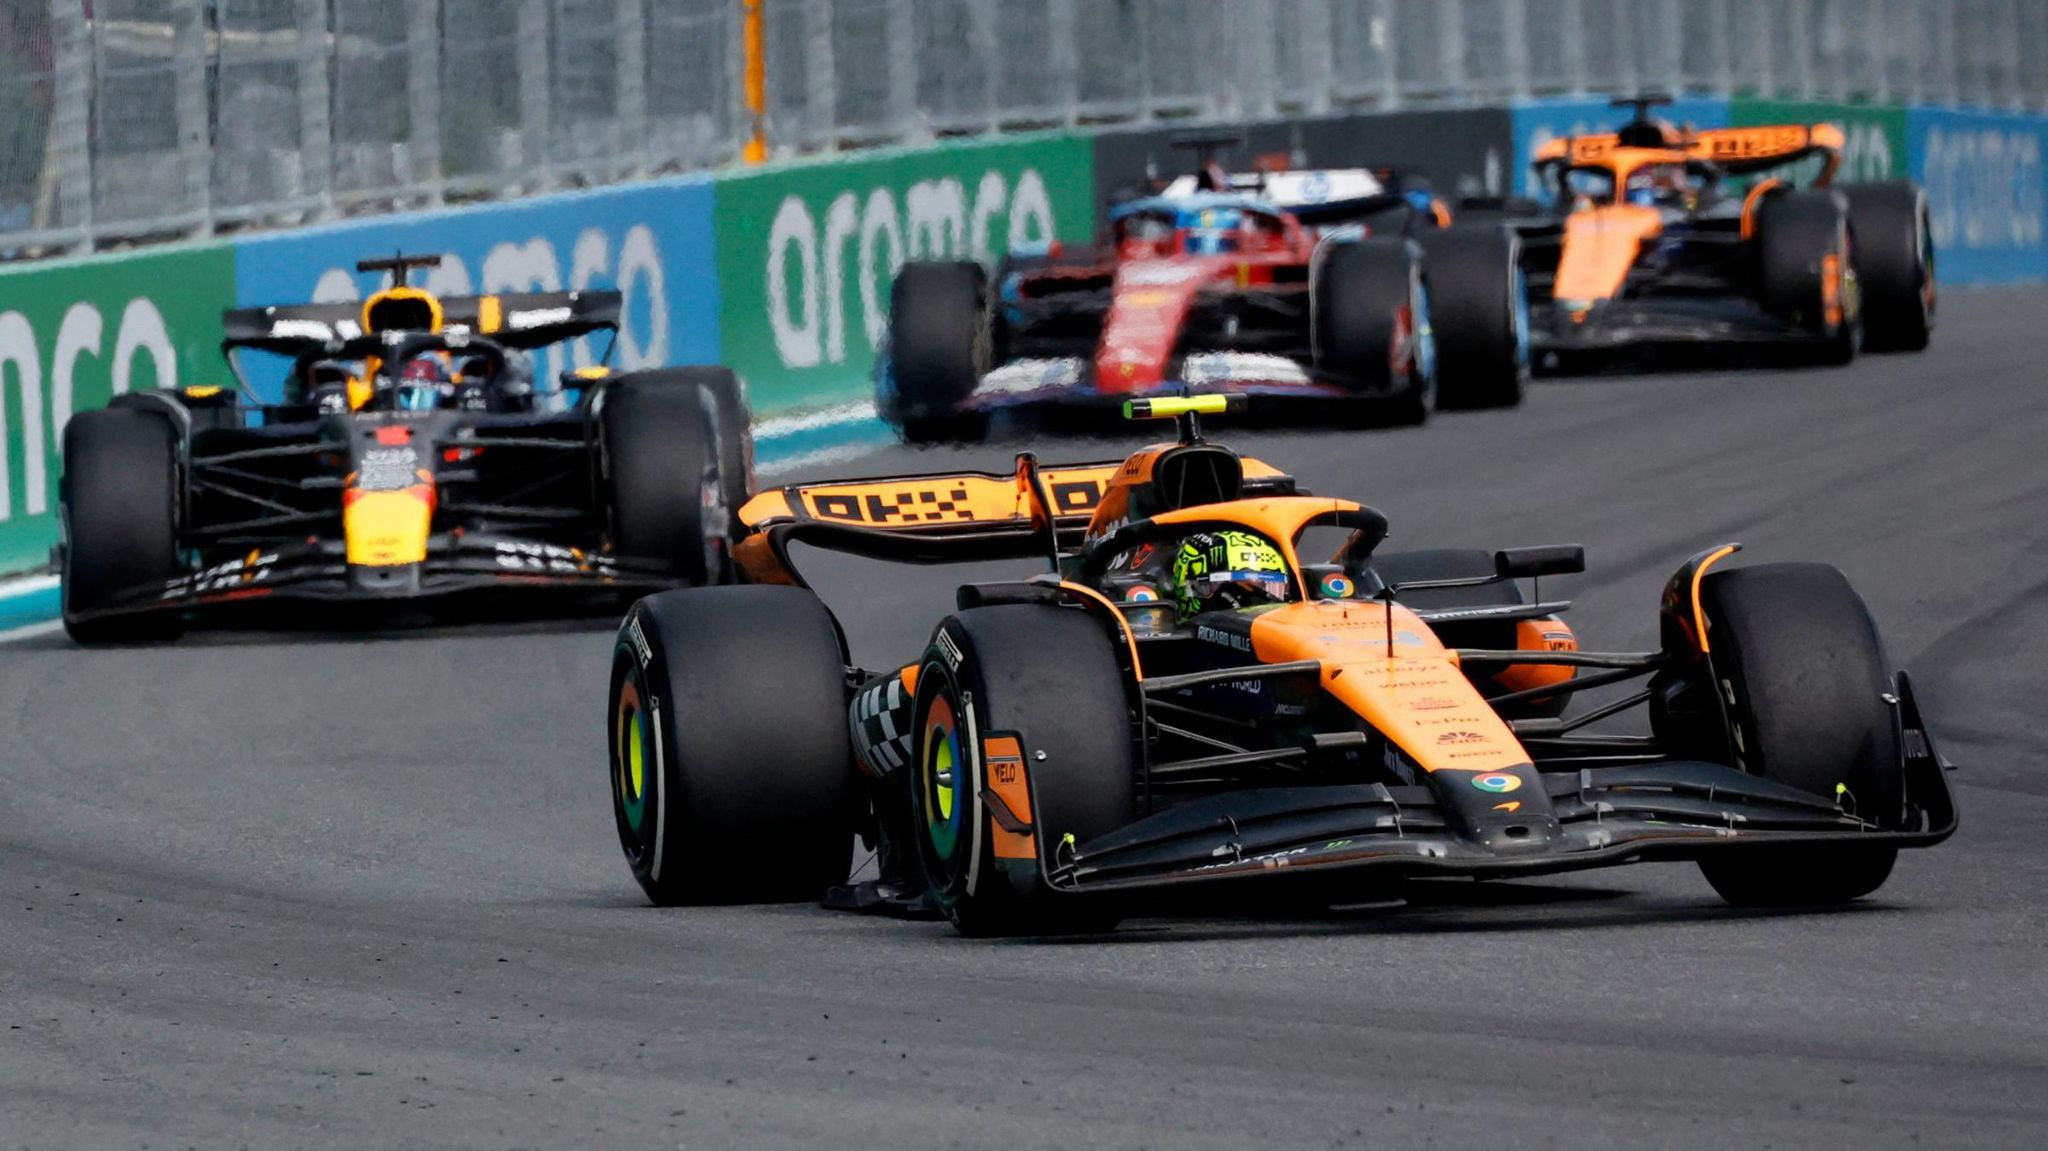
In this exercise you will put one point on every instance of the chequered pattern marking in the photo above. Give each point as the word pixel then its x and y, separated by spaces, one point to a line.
pixel 880 719
pixel 924 506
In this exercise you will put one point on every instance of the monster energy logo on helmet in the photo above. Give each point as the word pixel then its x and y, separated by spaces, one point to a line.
pixel 1227 569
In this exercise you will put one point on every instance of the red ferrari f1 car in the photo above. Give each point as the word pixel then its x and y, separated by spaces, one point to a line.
pixel 1320 291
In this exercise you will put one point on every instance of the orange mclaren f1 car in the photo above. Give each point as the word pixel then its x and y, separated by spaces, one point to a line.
pixel 1185 698
pixel 1663 236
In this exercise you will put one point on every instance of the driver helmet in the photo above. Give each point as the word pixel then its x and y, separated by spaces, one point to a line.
pixel 1215 230
pixel 1215 571
pixel 422 382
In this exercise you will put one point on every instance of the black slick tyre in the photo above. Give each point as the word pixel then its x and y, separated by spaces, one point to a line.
pixel 1479 311
pixel 1369 322
pixel 1894 241
pixel 1801 670
pixel 1805 270
pixel 120 503
pixel 938 321
pixel 732 772
pixel 1047 678
pixel 668 497
pixel 732 421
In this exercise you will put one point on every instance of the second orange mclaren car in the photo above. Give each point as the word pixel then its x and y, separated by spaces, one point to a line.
pixel 1666 236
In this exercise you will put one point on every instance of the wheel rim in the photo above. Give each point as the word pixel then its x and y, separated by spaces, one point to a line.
pixel 939 778
pixel 632 754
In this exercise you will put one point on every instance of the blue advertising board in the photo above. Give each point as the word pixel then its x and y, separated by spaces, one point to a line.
pixel 651 241
pixel 1986 190
pixel 1536 122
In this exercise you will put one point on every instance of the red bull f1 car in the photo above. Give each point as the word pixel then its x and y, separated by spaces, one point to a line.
pixel 1196 695
pixel 1269 284
pixel 410 459
pixel 1663 237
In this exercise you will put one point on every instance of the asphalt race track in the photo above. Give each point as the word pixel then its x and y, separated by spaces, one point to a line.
pixel 364 891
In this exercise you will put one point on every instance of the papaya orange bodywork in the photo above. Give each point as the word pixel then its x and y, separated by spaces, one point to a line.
pixel 1416 695
pixel 1600 246
pixel 1003 760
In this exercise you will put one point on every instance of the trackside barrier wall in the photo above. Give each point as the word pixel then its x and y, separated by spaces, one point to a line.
pixel 74 333
pixel 807 251
pixel 652 241
pixel 783 272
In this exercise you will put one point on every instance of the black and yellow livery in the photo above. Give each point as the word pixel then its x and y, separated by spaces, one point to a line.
pixel 410 457
pixel 1072 743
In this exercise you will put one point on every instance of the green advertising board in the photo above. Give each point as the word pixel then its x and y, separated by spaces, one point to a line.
pixel 74 333
pixel 1875 133
pixel 807 251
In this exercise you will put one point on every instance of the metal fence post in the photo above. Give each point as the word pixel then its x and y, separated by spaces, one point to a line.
pixel 1319 61
pixel 316 132
pixel 821 103
pixel 630 21
pixel 1450 46
pixel 1063 57
pixel 536 88
pixel 194 114
pixel 904 119
pixel 70 124
pixel 1384 36
pixel 423 95
pixel 1572 15
pixel 1514 30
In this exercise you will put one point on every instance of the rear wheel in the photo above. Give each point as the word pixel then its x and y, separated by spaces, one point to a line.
pixel 1370 324
pixel 733 423
pixel 120 514
pixel 732 770
pixel 1806 274
pixel 1479 309
pixel 670 503
pixel 938 319
pixel 1800 668
pixel 1048 678
pixel 1894 264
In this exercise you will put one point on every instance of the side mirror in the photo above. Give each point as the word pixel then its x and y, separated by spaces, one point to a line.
pixel 1533 563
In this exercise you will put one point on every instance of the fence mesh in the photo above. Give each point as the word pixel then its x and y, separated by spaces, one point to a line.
pixel 29 195
pixel 135 118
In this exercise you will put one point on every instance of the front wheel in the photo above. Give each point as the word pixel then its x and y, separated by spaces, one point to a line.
pixel 732 772
pixel 1806 273
pixel 1479 307
pixel 1894 264
pixel 120 514
pixel 1022 749
pixel 665 471
pixel 1369 324
pixel 1798 663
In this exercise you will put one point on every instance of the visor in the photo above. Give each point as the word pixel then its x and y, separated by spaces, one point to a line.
pixel 1243 588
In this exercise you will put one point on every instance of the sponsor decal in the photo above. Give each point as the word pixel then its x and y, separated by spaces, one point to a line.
pixel 641 649
pixel 1159 273
pixel 76 333
pixel 1218 636
pixel 807 252
pixel 950 649
pixel 388 469
pixel 1511 806
pixel 1461 737
pixel 1497 782
pixel 1431 703
pixel 1336 585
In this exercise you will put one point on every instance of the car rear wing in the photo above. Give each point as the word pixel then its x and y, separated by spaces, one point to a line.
pixel 941 517
pixel 523 320
pixel 1737 151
